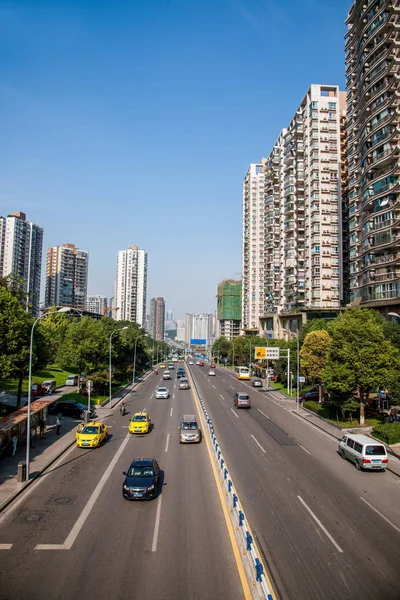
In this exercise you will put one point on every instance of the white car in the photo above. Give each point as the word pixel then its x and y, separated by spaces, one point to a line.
pixel 162 393
pixel 190 362
pixel 197 362
pixel 211 373
pixel 166 375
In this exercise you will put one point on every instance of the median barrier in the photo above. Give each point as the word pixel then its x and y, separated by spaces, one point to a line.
pixel 259 582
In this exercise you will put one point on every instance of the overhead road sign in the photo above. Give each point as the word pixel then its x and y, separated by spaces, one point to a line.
pixel 198 342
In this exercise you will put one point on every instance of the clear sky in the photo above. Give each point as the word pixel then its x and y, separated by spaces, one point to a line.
pixel 134 121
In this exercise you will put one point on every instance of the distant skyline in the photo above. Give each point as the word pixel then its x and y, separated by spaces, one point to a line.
pixel 133 123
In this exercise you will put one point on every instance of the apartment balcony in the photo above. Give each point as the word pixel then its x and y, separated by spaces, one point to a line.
pixel 394 293
pixel 385 157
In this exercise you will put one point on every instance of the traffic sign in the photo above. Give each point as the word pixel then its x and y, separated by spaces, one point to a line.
pixel 270 352
pixel 89 385
pixel 260 353
pixel 302 379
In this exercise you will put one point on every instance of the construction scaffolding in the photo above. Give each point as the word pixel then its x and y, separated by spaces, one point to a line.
pixel 229 303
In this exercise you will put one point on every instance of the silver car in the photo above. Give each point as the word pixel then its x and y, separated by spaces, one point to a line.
pixel 184 384
pixel 189 431
pixel 162 393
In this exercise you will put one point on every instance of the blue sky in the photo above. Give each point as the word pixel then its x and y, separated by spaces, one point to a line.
pixel 134 122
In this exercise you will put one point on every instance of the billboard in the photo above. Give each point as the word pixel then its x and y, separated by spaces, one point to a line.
pixel 272 353
pixel 198 342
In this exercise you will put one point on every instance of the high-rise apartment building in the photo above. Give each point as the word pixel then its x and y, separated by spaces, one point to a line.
pixel 131 285
pixel 373 152
pixel 229 308
pixel 97 303
pixel 66 276
pixel 21 244
pixel 157 318
pixel 293 217
pixel 199 327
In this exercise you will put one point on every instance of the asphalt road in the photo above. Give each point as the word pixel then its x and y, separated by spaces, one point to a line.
pixel 314 515
pixel 95 545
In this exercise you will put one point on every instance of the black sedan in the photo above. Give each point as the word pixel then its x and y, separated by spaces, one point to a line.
pixel 180 373
pixel 69 408
pixel 142 480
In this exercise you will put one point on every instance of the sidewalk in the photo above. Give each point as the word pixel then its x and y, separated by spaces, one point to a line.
pixel 337 431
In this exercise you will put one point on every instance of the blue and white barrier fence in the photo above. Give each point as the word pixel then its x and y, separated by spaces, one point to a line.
pixel 253 564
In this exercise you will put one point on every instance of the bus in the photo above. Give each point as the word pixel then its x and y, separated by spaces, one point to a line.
pixel 242 373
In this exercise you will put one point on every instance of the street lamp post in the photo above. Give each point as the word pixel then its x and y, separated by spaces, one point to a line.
pixel 64 309
pixel 296 335
pixel 112 333
pixel 134 357
pixel 393 314
pixel 233 353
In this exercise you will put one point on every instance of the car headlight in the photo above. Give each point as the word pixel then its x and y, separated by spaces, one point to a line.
pixel 126 487
pixel 151 487
pixel 95 440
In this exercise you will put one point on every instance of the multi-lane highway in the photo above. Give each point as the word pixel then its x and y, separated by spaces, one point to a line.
pixel 73 536
pixel 326 530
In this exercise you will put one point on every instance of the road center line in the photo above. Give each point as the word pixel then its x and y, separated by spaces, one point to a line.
pixel 73 534
pixel 232 387
pixel 258 443
pixel 173 396
pixel 157 525
pixel 166 445
pixel 263 414
pixel 214 387
pixel 5 546
pixel 151 396
pixel 172 410
pixel 235 413
pixel 328 535
pixel 380 514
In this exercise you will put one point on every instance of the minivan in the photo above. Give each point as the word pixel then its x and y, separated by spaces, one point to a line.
pixel 50 385
pixel 241 400
pixel 364 452
pixel 72 380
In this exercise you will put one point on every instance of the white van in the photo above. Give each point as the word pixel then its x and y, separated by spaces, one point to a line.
pixel 364 452
pixel 72 380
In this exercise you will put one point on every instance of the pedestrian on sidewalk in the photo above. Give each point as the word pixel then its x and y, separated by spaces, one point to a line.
pixel 33 437
pixel 14 442
pixel 42 428
pixel 58 425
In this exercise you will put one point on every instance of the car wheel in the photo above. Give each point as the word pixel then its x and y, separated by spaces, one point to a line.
pixel 342 454
pixel 357 465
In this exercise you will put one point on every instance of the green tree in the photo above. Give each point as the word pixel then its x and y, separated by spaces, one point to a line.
pixel 313 354
pixel 15 332
pixel 360 359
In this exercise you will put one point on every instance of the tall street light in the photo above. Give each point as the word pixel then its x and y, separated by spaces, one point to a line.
pixel 393 314
pixel 64 309
pixel 134 357
pixel 112 333
pixel 233 353
pixel 296 335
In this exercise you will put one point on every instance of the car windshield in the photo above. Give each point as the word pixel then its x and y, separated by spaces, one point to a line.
pixel 90 430
pixel 139 418
pixel 375 451
pixel 243 397
pixel 141 472
pixel 162 389
pixel 189 425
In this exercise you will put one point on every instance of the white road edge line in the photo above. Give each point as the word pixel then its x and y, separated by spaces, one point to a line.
pixel 5 546
pixel 73 534
pixel 172 410
pixel 302 447
pixel 235 413
pixel 258 443
pixel 166 445
pixel 264 415
pixel 332 438
pixel 328 535
pixel 380 514
pixel 157 525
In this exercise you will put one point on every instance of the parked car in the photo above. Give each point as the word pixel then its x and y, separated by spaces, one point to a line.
pixel 142 480
pixel 312 395
pixel 68 408
pixel 72 380
pixel 50 385
pixel 38 390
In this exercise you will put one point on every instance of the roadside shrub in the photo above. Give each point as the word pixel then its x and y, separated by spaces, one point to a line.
pixel 314 407
pixel 388 433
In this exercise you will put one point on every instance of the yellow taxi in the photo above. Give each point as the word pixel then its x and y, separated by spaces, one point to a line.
pixel 140 423
pixel 162 366
pixel 91 435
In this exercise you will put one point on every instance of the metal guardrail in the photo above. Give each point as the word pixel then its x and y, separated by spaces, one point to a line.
pixel 259 583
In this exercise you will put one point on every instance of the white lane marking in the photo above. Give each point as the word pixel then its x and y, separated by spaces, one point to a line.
pixel 258 443
pixel 36 483
pixel 144 409
pixel 166 445
pixel 214 387
pixel 73 534
pixel 222 397
pixel 124 426
pixel 302 447
pixel 235 413
pixel 330 437
pixel 223 379
pixel 380 514
pixel 172 410
pixel 151 395
pixel 157 525
pixel 232 387
pixel 5 546
pixel 328 535
pixel 264 415
pixel 173 396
